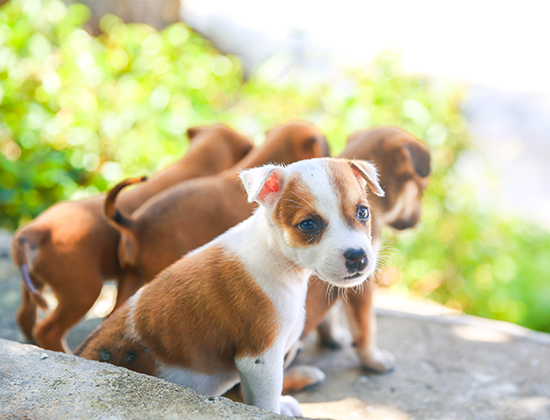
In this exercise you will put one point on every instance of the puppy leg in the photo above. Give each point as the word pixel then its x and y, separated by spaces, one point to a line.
pixel 74 301
pixel 362 318
pixel 26 314
pixel 262 382
pixel 299 377
pixel 332 333
pixel 320 299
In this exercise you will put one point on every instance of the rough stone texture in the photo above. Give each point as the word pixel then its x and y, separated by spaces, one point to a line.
pixel 10 294
pixel 40 384
pixel 450 366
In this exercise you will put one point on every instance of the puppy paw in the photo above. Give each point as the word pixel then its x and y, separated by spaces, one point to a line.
pixel 290 407
pixel 335 338
pixel 378 361
pixel 300 377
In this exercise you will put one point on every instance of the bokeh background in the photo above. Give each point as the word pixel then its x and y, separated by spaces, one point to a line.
pixel 87 99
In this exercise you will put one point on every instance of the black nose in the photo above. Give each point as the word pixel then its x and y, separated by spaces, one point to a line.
pixel 356 259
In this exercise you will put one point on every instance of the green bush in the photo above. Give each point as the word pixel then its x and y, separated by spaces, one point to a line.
pixel 79 113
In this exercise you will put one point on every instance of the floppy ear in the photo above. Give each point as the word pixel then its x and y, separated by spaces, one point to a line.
pixel 419 157
pixel 367 171
pixel 317 146
pixel 193 131
pixel 264 184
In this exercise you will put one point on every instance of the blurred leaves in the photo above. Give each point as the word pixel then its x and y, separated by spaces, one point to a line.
pixel 79 113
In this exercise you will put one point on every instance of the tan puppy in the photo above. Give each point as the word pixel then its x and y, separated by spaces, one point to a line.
pixel 193 213
pixel 404 166
pixel 230 310
pixel 72 248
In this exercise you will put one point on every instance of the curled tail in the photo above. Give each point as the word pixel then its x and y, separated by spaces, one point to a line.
pixel 118 219
pixel 123 223
pixel 21 250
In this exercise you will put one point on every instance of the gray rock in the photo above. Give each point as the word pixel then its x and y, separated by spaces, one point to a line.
pixel 41 384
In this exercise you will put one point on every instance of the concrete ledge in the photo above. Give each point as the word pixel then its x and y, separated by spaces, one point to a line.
pixel 40 384
pixel 449 366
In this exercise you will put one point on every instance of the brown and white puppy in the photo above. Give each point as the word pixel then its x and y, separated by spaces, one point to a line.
pixel 230 310
pixel 72 248
pixel 404 167
pixel 193 213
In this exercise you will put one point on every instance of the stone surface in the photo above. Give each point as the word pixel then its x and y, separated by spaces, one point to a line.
pixel 449 366
pixel 40 384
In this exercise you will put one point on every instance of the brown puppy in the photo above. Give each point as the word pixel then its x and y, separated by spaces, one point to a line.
pixel 403 163
pixel 193 213
pixel 228 311
pixel 72 247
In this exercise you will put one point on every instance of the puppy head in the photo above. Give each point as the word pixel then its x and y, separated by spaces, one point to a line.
pixel 320 213
pixel 222 141
pixel 404 164
pixel 296 141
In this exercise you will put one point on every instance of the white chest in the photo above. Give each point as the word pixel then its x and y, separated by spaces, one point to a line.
pixel 289 301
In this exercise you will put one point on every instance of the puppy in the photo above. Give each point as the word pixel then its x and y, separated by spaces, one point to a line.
pixel 232 309
pixel 404 166
pixel 193 213
pixel 72 248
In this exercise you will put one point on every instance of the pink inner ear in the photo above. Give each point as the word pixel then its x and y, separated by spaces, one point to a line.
pixel 358 175
pixel 271 186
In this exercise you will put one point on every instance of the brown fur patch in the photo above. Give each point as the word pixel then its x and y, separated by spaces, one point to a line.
pixel 204 311
pixel 297 204
pixel 351 191
pixel 111 342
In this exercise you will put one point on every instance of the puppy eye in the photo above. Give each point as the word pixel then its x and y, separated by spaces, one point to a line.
pixel 362 213
pixel 307 225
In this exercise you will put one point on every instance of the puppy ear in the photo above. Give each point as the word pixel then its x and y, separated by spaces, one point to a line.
pixel 317 146
pixel 193 131
pixel 419 157
pixel 264 184
pixel 367 171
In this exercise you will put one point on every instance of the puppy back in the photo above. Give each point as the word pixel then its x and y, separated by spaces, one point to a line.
pixel 204 311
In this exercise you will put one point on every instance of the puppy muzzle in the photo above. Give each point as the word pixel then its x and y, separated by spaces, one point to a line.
pixel 356 260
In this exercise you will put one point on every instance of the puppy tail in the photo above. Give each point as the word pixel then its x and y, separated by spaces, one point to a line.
pixel 118 219
pixel 20 250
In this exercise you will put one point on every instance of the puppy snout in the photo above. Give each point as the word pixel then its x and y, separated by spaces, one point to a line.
pixel 356 259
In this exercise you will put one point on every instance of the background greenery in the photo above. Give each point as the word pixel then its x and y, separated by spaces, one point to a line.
pixel 79 113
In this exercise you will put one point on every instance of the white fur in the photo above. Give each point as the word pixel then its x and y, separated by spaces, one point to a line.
pixel 406 205
pixel 326 259
pixel 282 272
pixel 210 385
pixel 131 331
pixel 278 276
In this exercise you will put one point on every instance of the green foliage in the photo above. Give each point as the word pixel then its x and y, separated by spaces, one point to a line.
pixel 476 261
pixel 461 255
pixel 79 113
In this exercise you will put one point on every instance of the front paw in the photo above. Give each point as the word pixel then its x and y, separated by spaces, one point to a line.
pixel 378 361
pixel 290 407
pixel 299 377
